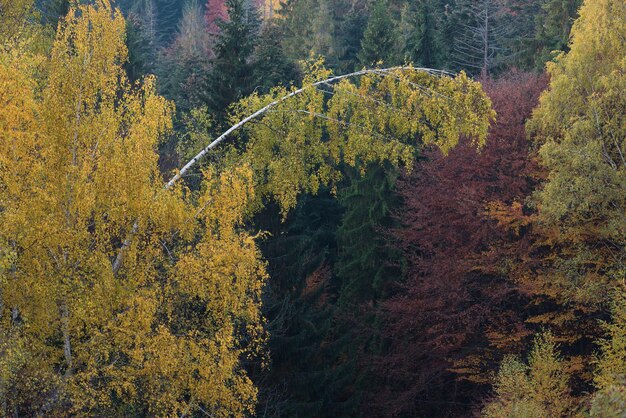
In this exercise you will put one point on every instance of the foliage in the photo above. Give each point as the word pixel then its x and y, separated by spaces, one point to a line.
pixel 539 389
pixel 609 403
pixel 271 66
pixel 358 125
pixel 456 313
pixel 579 233
pixel 611 363
pixel 230 78
pixel 419 32
pixel 379 39
pixel 553 25
pixel 153 339
pixel 182 65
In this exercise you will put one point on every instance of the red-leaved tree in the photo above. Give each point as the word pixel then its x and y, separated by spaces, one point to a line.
pixel 457 313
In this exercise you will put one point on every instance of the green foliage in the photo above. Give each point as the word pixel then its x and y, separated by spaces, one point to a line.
pixel 379 39
pixel 271 66
pixel 182 67
pixel 231 78
pixel 611 362
pixel 552 25
pixel 366 261
pixel 581 128
pixel 419 33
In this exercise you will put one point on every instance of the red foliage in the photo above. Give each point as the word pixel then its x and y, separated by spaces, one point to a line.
pixel 216 11
pixel 456 314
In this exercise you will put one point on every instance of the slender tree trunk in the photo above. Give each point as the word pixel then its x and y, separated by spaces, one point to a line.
pixel 67 344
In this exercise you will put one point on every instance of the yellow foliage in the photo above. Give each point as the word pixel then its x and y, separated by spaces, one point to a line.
pixel 580 124
pixel 387 116
pixel 534 390
pixel 78 167
pixel 166 334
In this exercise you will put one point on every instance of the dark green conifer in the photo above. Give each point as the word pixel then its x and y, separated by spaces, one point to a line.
pixel 231 76
pixel 379 40
pixel 271 66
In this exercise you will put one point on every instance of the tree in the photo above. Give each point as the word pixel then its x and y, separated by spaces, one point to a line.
pixel 366 263
pixel 482 35
pixel 53 10
pixel 457 312
pixel 538 389
pixel 166 333
pixel 230 78
pixel 419 33
pixel 611 363
pixel 15 16
pixel 270 64
pixel 182 65
pixel 552 28
pixel 579 244
pixel 379 39
pixel 169 330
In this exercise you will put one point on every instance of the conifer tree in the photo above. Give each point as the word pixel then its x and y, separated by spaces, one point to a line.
pixel 418 33
pixel 182 65
pixel 270 65
pixel 552 28
pixel 231 77
pixel 367 263
pixel 379 39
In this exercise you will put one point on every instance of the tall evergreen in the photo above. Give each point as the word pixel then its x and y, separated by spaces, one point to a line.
pixel 231 76
pixel 182 66
pixel 553 24
pixel 379 40
pixel 298 303
pixel 271 66
pixel 367 263
pixel 418 33
pixel 331 28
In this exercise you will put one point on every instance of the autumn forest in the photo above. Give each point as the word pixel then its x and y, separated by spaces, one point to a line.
pixel 313 208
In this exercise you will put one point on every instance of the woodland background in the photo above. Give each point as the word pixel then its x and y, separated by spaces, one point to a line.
pixel 457 271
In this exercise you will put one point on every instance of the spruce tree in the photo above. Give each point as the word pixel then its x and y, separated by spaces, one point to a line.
pixel 270 64
pixel 183 65
pixel 366 263
pixel 553 24
pixel 379 40
pixel 418 33
pixel 231 76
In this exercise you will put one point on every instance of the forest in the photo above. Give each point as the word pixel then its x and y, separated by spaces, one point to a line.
pixel 313 208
